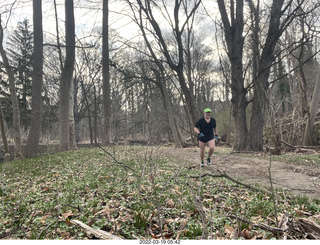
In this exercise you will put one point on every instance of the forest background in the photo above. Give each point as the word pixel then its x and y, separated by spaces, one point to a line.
pixel 143 71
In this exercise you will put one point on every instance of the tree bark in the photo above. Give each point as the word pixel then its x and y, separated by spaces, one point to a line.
pixel 37 82
pixel 66 76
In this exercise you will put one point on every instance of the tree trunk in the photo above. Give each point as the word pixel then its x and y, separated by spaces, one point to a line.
pixel 37 82
pixel 72 131
pixel 66 76
pixel 3 133
pixel 14 98
pixel 88 109
pixel 233 35
pixel 308 133
pixel 106 137
pixel 168 107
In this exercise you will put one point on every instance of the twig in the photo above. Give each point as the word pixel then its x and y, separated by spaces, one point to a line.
pixel 116 161
pixel 225 175
pixel 44 229
pixel 274 197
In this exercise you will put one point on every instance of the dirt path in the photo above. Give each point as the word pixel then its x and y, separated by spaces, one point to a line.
pixel 297 178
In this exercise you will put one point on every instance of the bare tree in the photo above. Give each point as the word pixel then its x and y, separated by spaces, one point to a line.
pixel 106 137
pixel 66 76
pixel 37 81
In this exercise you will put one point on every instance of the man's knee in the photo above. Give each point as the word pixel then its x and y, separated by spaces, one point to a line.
pixel 211 145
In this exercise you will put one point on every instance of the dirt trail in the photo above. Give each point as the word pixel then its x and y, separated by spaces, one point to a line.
pixel 297 178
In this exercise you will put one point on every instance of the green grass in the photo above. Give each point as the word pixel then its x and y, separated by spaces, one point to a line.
pixel 129 198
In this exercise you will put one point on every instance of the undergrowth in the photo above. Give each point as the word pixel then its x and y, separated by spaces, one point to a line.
pixel 134 192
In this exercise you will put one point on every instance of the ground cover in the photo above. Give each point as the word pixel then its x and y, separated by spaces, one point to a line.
pixel 140 192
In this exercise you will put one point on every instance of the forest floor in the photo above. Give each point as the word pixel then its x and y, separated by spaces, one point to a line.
pixel 299 177
pixel 152 192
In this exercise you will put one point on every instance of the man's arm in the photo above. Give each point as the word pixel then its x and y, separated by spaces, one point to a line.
pixel 196 130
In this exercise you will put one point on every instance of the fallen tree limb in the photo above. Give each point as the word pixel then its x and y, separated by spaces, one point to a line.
pixel 310 228
pixel 301 146
pixel 91 232
pixel 225 175
pixel 301 228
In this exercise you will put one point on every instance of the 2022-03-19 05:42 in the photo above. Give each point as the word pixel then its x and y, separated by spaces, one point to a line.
pixel 173 242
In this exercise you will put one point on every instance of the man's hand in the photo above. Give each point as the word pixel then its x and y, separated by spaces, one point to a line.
pixel 216 138
pixel 200 135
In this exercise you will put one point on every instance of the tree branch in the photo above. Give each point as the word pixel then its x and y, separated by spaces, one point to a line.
pixel 116 161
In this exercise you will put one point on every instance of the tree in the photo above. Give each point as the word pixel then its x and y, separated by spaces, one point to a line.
pixel 67 76
pixel 37 81
pixel 252 139
pixel 13 93
pixel 106 137
pixel 308 133
pixel 20 55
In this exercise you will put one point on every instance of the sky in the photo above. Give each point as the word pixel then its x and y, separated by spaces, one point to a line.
pixel 88 15
pixel 84 19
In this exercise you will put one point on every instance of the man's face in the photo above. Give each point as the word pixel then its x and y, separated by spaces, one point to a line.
pixel 207 114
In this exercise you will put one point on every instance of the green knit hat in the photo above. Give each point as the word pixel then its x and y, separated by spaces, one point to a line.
pixel 207 110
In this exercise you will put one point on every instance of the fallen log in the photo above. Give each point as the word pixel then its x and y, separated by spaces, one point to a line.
pixel 94 233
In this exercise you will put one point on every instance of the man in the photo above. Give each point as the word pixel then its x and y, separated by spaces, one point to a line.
pixel 206 129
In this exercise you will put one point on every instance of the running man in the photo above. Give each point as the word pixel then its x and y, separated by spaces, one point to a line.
pixel 206 129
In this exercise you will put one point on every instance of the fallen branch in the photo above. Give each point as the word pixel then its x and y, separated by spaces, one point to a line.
pixel 300 146
pixel 310 228
pixel 225 175
pixel 265 227
pixel 91 232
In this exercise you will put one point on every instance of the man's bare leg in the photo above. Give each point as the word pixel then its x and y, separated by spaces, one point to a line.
pixel 211 145
pixel 202 146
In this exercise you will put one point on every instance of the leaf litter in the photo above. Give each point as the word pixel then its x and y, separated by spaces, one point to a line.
pixel 137 193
